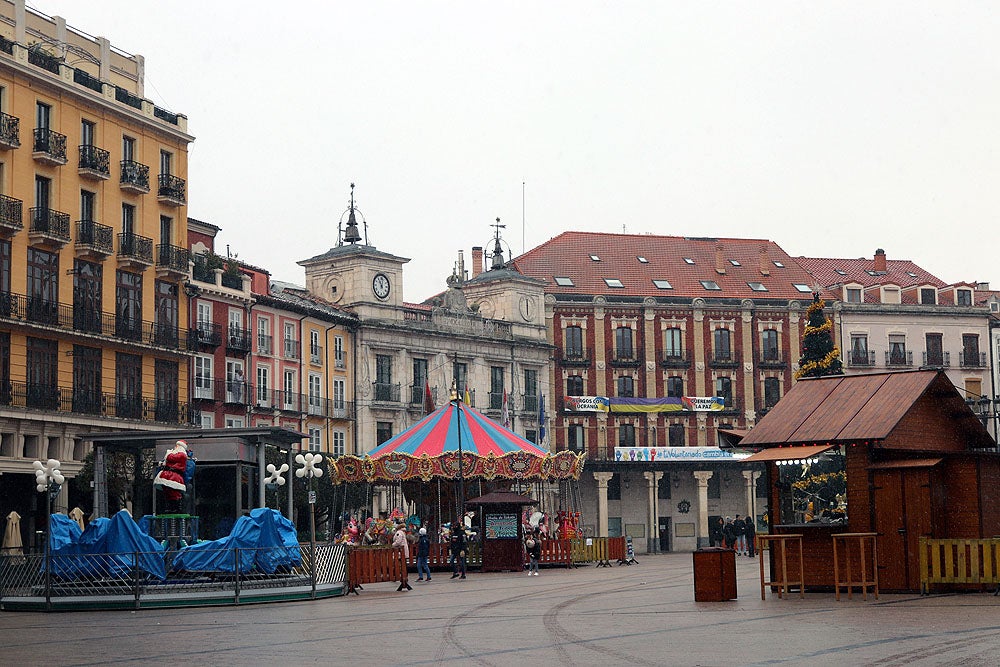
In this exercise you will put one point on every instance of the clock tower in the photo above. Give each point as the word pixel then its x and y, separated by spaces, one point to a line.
pixel 356 275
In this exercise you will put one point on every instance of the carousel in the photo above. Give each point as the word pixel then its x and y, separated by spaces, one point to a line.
pixel 423 477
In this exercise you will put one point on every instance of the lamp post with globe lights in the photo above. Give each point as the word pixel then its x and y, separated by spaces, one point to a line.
pixel 48 480
pixel 310 469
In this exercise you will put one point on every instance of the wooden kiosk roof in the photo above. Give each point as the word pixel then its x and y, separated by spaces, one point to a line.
pixel 870 407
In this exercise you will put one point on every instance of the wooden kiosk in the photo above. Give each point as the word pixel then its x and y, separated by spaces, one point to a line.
pixel 500 529
pixel 897 454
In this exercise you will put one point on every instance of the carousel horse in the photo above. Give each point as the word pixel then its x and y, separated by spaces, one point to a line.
pixel 350 534
pixel 413 523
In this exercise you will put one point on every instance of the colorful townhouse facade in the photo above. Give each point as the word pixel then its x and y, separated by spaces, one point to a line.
pixel 93 256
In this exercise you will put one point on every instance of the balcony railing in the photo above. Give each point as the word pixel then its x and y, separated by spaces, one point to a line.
pixel 529 403
pixel 87 401
pixel 861 358
pixel 95 162
pixel 265 344
pixel 942 359
pixel 10 131
pixel 725 360
pixel 134 177
pixel 170 190
pixel 632 357
pixel 496 401
pixel 238 340
pixel 132 247
pixel 269 400
pixel 207 333
pixel 94 236
pixel 387 393
pixel 125 97
pixel 86 319
pixel 899 358
pixel 673 359
pixel 39 58
pixel 316 354
pixel 972 359
pixel 49 146
pixel 338 360
pixel 172 258
pixel 291 349
pixel 574 356
pixel 11 214
pixel 87 81
pixel 49 225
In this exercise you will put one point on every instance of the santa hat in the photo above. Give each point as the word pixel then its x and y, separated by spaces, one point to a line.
pixel 181 444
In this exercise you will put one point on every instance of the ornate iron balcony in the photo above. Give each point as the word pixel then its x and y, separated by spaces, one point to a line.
pixel 315 354
pixel 291 349
pixel 172 258
pixel 95 162
pixel 10 131
pixel 49 146
pixel 386 392
pixel 170 190
pixel 11 214
pixel 942 359
pixel 574 356
pixel 49 226
pixel 673 359
pixel 134 177
pixel 899 358
pixel 861 358
pixel 239 340
pixel 87 81
pixel 39 58
pixel 135 248
pixel 265 344
pixel 972 359
pixel 207 333
pixel 94 237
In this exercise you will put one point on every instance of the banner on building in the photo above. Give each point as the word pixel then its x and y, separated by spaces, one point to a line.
pixel 628 454
pixel 666 404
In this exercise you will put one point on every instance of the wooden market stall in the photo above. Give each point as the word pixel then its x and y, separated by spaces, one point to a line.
pixel 500 529
pixel 898 454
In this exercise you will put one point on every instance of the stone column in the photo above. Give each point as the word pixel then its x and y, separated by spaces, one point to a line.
pixel 702 476
pixel 652 480
pixel 751 485
pixel 602 501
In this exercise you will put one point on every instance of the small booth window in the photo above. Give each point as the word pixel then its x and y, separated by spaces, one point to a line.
pixel 813 490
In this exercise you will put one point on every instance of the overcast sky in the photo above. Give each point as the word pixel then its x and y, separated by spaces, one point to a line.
pixel 831 128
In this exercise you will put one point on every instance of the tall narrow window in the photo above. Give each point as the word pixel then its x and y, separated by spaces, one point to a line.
pixel 626 435
pixel 859 350
pixel 166 230
pixel 5 263
pixel 203 378
pixel 128 219
pixel 166 163
pixel 769 345
pixel 724 390
pixel 315 394
pixel 574 385
pixel 420 380
pixel 87 301
pixel 626 386
pixel 43 116
pixel 41 372
pixel 264 386
pixel 623 343
pixel 672 344
pixel 897 350
pixel 723 347
pixel 338 445
pixel 43 187
pixel 935 351
pixel 290 389
pixel 383 377
pixel 675 387
pixel 530 390
pixel 128 149
pixel 338 352
pixel 263 335
pixel 573 342
pixel 43 286
pixel 496 387
pixel 970 351
pixel 167 314
pixel 772 392
pixel 460 375
pixel 5 388
pixel 165 380
pixel 128 305
pixel 87 133
pixel 315 351
pixel 128 385
pixel 339 394
pixel 675 435
pixel 87 200
pixel 575 438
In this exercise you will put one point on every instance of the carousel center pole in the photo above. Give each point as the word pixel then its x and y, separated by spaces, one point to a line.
pixel 457 400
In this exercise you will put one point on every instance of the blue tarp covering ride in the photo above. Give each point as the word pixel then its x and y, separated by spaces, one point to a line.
pixel 108 547
pixel 266 541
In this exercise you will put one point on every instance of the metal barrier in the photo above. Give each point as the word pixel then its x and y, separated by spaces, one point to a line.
pixel 954 561
pixel 144 579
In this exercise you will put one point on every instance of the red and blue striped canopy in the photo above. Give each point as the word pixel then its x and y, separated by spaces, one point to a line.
pixel 438 433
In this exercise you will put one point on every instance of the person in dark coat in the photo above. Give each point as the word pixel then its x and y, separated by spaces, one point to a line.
pixel 458 549
pixel 740 530
pixel 423 553
pixel 715 535
pixel 729 533
pixel 751 533
pixel 533 546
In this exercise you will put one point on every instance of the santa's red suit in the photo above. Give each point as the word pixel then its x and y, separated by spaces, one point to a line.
pixel 171 476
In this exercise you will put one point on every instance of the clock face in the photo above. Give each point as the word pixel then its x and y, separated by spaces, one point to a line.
pixel 380 285
pixel 527 309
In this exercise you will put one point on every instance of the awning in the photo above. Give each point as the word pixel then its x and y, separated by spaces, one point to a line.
pixel 788 453
pixel 905 463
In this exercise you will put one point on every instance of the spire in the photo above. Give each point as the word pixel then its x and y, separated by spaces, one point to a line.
pixel 497 248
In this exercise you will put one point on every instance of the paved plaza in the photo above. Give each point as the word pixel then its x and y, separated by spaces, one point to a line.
pixel 644 614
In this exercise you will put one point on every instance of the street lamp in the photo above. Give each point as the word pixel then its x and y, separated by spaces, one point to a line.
pixel 456 400
pixel 309 461
pixel 48 480
pixel 274 479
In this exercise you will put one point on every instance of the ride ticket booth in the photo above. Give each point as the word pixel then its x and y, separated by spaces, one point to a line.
pixel 500 529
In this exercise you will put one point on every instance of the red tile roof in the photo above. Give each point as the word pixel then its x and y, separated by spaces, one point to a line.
pixel 570 254
pixel 898 272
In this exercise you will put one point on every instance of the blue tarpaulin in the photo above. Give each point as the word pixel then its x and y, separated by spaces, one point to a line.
pixel 106 548
pixel 265 539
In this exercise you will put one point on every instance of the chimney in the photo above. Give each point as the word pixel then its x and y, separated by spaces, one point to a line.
pixel 477 260
pixel 765 262
pixel 880 260
pixel 720 266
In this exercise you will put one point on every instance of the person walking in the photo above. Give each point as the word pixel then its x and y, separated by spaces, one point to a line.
pixel 533 546
pixel 740 530
pixel 458 552
pixel 751 533
pixel 399 540
pixel 423 553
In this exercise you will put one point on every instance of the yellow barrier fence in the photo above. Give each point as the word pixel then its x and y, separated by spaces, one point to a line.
pixel 959 562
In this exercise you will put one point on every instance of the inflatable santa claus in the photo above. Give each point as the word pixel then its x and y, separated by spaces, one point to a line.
pixel 170 477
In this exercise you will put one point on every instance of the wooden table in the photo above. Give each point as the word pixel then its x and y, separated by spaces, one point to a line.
pixel 861 540
pixel 780 540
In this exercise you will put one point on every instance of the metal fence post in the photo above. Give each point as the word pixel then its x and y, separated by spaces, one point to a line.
pixel 313 570
pixel 135 578
pixel 236 594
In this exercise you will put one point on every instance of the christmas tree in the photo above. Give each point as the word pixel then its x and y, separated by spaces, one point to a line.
pixel 819 355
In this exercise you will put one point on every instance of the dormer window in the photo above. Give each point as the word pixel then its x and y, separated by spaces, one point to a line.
pixel 890 295
pixel 928 296
pixel 563 281
pixel 757 287
pixel 663 284
pixel 614 282
pixel 710 285
pixel 802 287
pixel 963 297
pixel 853 294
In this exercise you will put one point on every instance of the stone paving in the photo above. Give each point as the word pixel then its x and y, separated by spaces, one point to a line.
pixel 643 614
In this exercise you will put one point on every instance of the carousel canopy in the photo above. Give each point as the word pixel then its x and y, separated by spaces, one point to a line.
pixel 442 430
pixel 430 448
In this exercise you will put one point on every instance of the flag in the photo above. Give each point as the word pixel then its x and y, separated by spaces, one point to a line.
pixel 428 399
pixel 505 411
pixel 541 420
